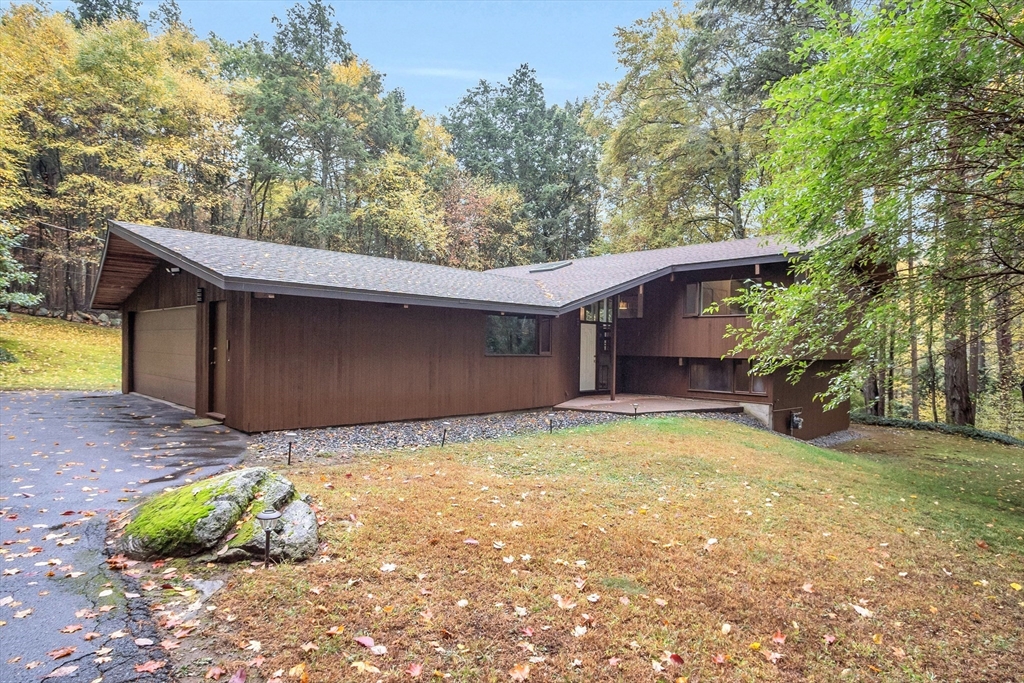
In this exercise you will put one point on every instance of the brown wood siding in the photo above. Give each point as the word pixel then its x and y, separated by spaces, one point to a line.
pixel 817 421
pixel 321 362
pixel 666 377
pixel 666 331
pixel 163 354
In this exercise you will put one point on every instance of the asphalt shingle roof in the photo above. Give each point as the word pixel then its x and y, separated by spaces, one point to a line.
pixel 241 264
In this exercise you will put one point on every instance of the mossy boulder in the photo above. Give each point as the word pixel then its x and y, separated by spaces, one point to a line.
pixel 219 512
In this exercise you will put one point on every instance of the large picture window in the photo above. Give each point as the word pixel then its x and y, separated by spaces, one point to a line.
pixel 728 376
pixel 518 335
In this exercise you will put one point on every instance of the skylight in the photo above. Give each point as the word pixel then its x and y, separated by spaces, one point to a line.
pixel 548 267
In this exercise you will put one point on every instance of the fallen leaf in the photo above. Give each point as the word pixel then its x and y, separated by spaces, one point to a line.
pixel 808 588
pixel 62 652
pixel 91 635
pixel 520 672
pixel 414 670
pixel 719 659
pixel 899 653
pixel 215 672
pixel 71 628
pixel 23 613
pixel 773 657
pixel 150 666
pixel 864 611
pixel 877 638
pixel 238 677
pixel 779 637
pixel 563 603
pixel 579 631
pixel 62 672
pixel 829 639
pixel 170 644
pixel 365 668
pixel 143 642
pixel 365 641
pixel 726 629
pixel 310 647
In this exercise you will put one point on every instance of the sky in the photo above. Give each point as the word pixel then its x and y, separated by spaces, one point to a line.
pixel 436 50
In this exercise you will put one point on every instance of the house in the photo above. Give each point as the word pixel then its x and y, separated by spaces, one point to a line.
pixel 268 337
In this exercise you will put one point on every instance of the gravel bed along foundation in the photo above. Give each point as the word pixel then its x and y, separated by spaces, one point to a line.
pixel 346 441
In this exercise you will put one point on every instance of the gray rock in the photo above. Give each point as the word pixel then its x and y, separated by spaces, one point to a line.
pixel 239 488
pixel 116 322
pixel 296 537
pixel 192 518
pixel 299 534
pixel 207 588
pixel 206 515
pixel 277 491
pixel 42 311
pixel 104 318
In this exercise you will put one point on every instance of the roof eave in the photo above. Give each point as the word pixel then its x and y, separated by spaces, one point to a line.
pixel 668 270
pixel 239 284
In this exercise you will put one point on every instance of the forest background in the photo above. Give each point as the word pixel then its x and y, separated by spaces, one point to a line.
pixel 889 136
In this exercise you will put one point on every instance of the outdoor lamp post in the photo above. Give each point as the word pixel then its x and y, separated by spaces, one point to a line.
pixel 551 422
pixel 268 520
pixel 635 406
pixel 444 434
pixel 291 439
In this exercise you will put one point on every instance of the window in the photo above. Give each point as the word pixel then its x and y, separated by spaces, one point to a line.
pixel 711 375
pixel 730 376
pixel 518 335
pixel 600 311
pixel 631 304
pixel 703 295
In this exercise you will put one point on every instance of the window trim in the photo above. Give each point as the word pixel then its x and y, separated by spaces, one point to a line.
pixel 544 326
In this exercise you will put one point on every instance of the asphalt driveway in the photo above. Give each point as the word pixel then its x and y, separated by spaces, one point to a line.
pixel 68 462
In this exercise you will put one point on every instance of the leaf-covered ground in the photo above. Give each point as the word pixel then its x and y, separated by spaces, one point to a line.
pixel 56 354
pixel 657 550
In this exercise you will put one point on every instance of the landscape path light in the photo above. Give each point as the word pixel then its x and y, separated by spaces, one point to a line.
pixel 635 406
pixel 268 520
pixel 444 433
pixel 551 422
pixel 291 439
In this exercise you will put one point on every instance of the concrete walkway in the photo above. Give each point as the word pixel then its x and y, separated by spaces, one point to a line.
pixel 623 405
pixel 68 462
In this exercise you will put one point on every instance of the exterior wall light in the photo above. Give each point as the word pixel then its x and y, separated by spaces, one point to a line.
pixel 268 520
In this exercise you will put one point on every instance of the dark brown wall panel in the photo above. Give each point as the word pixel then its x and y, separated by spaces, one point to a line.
pixel 665 377
pixel 321 362
pixel 817 421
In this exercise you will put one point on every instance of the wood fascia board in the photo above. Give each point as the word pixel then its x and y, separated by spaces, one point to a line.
pixel 99 275
pixel 668 270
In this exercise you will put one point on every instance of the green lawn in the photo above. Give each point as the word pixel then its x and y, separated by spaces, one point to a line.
pixel 55 354
pixel 898 560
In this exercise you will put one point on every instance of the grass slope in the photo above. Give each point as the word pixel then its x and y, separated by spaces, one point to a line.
pixel 56 354
pixel 626 513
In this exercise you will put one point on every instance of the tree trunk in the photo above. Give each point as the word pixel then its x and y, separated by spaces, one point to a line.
pixel 1004 354
pixel 959 406
pixel 915 388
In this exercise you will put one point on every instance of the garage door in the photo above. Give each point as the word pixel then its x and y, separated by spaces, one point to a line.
pixel 164 354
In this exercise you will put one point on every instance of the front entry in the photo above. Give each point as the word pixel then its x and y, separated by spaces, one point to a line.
pixel 588 356
pixel 218 359
pixel 596 345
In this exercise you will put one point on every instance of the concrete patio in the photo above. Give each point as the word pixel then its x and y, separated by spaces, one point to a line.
pixel 646 405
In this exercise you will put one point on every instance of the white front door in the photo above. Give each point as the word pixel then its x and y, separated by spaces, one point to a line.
pixel 588 356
